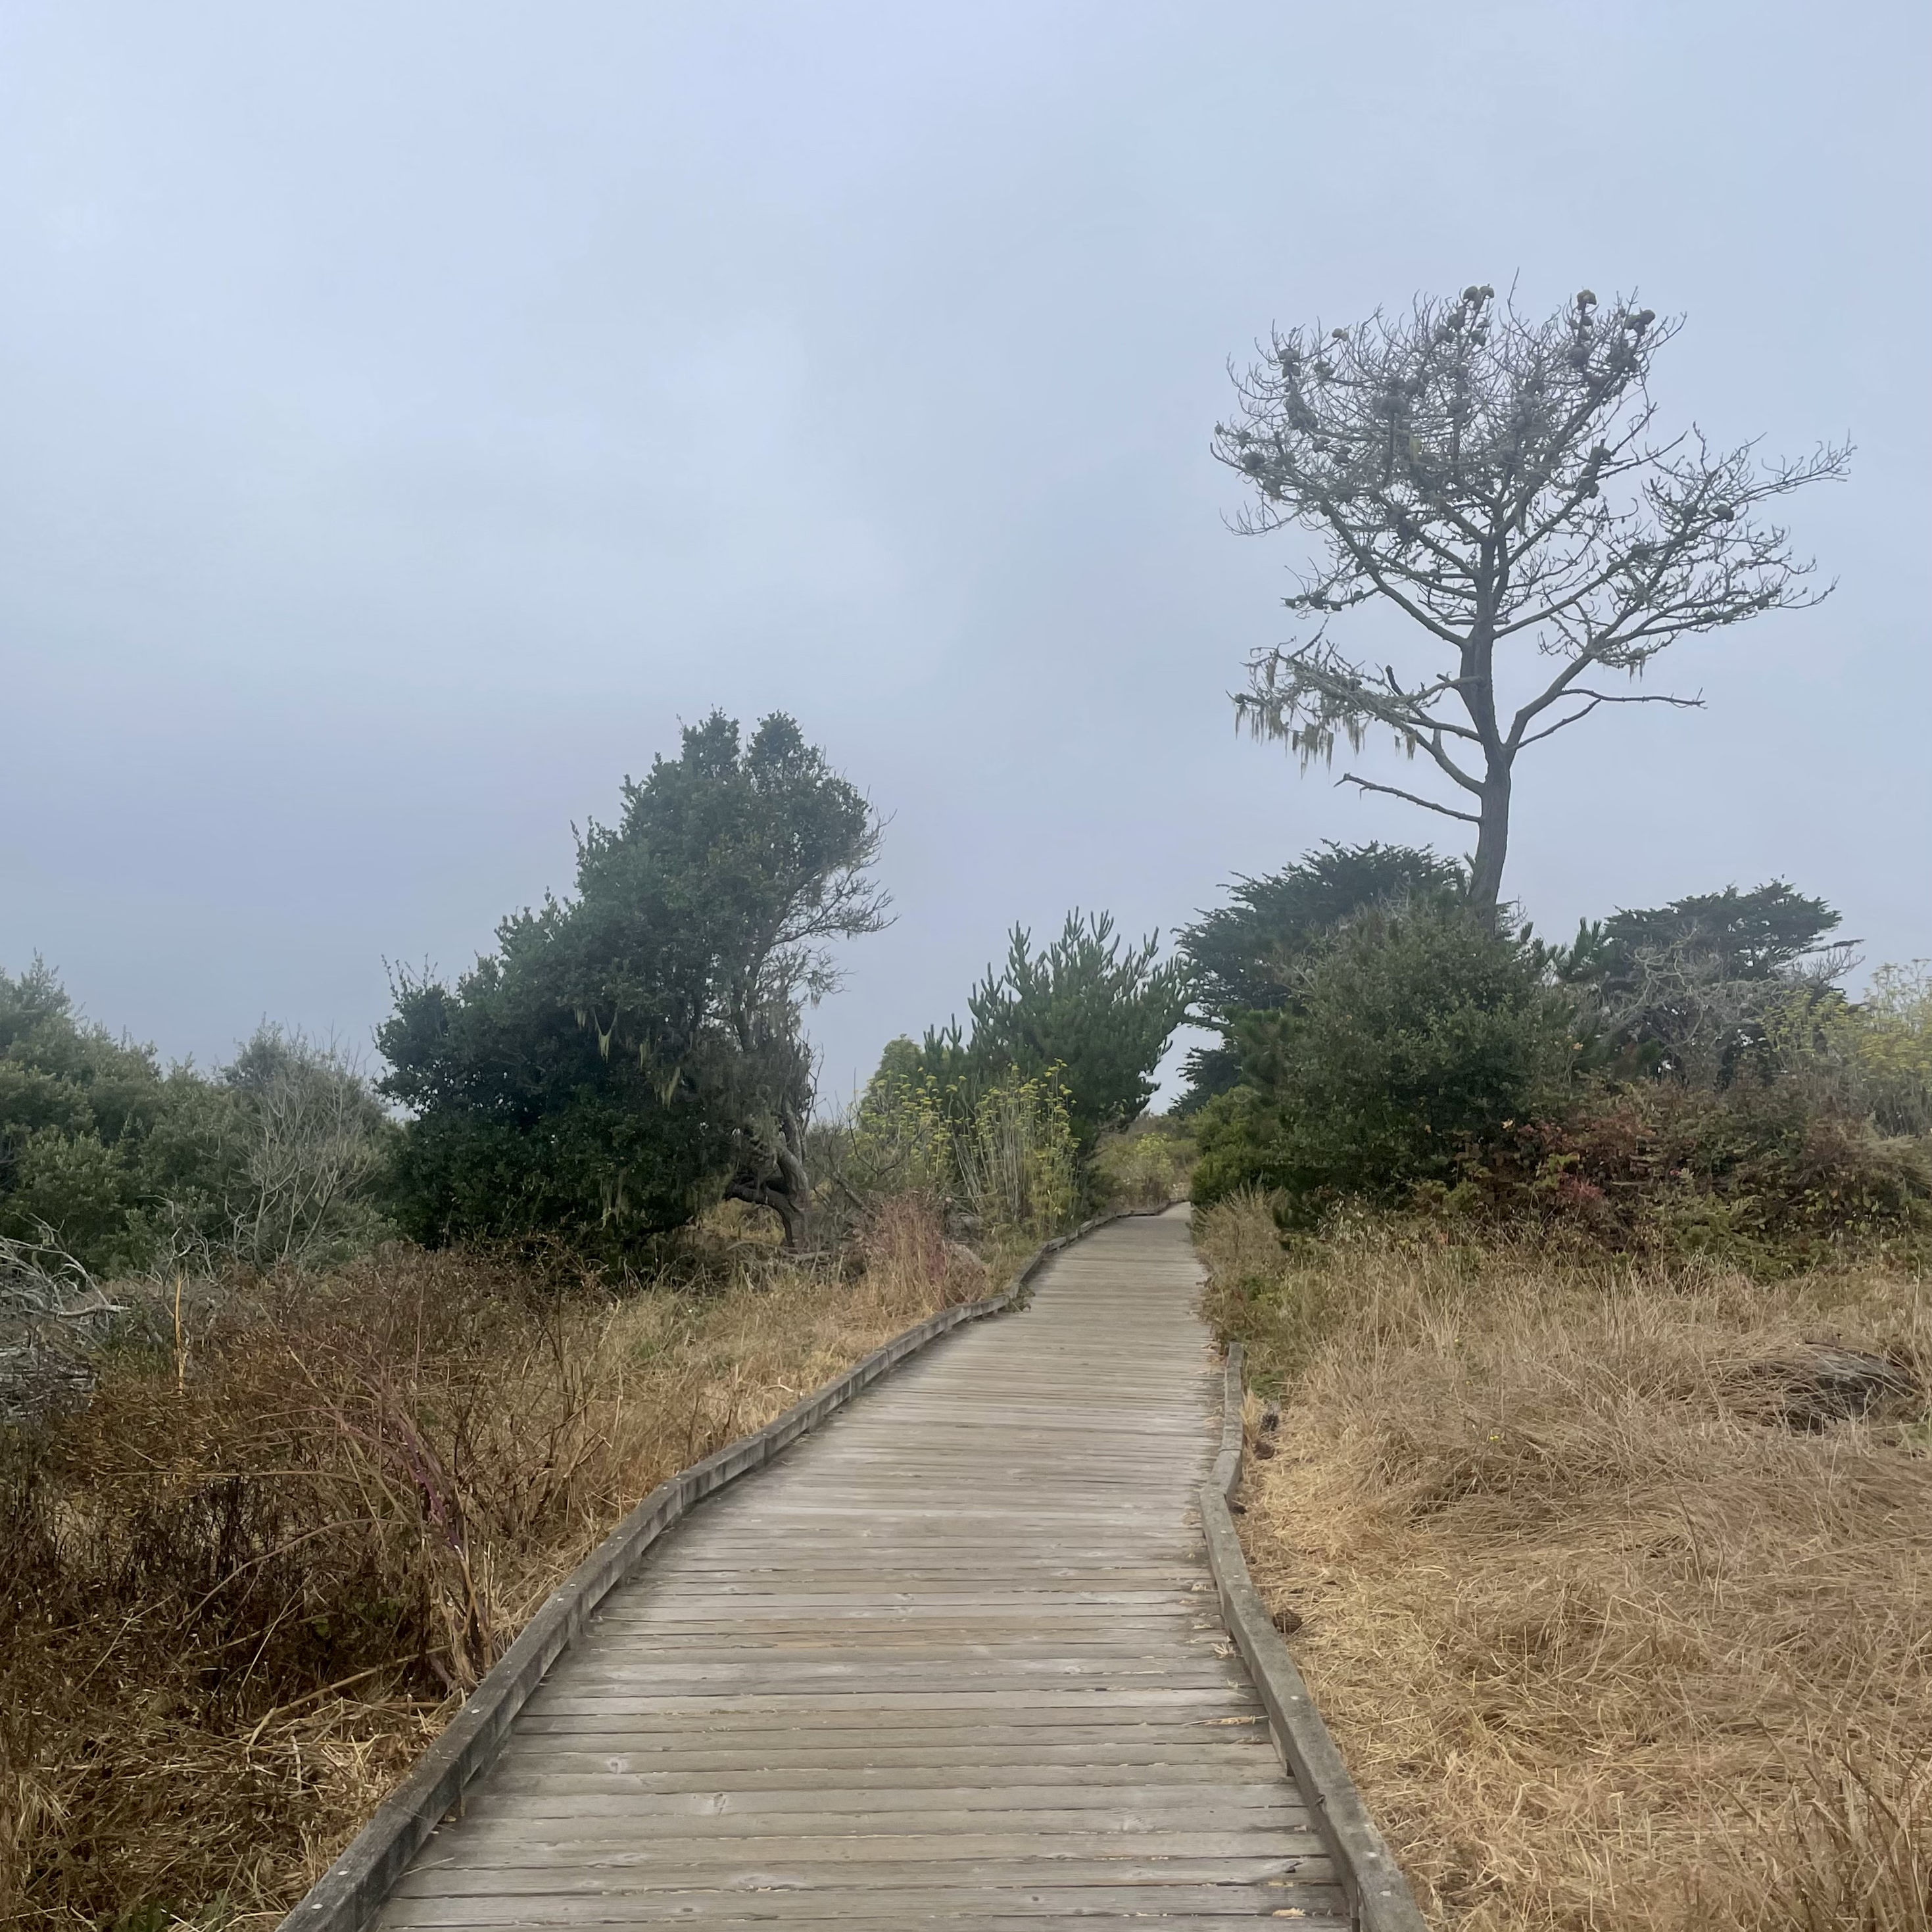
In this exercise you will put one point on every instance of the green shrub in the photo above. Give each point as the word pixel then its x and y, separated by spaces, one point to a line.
pixel 115 1163
pixel 1408 1036
pixel 78 1109
pixel 1244 955
pixel 1006 1127
pixel 1872 1056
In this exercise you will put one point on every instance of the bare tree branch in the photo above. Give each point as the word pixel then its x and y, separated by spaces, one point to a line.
pixel 1597 697
pixel 1414 798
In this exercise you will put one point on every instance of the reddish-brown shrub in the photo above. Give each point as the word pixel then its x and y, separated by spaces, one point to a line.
pixel 1762 1162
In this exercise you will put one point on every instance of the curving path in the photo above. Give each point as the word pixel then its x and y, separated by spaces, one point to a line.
pixel 954 1660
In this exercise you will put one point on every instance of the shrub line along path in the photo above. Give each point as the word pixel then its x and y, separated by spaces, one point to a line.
pixel 954 1659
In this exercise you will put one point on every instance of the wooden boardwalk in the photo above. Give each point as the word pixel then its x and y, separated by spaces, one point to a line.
pixel 954 1660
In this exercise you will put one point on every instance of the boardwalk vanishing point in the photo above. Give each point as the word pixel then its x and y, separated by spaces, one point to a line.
pixel 954 1659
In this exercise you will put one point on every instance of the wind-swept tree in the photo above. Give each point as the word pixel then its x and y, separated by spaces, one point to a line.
pixel 752 858
pixel 625 1056
pixel 1499 480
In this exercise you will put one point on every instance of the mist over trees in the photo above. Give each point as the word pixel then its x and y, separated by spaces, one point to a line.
pixel 405 410
pixel 1499 480
pixel 624 1058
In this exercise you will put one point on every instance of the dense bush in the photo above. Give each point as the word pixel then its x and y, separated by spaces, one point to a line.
pixel 1765 1174
pixel 1690 1075
pixel 95 1137
pixel 109 1160
pixel 306 1145
pixel 1149 1165
pixel 523 1127
pixel 1244 955
pixel 1691 990
pixel 1003 1125
pixel 1872 1057
pixel 1406 1036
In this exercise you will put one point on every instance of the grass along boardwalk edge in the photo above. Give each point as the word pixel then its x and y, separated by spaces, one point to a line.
pixel 1377 1893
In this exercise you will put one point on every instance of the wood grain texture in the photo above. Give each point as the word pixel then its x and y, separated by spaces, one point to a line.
pixel 955 1660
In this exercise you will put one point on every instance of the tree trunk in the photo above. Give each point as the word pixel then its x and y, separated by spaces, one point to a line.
pixel 797 1181
pixel 774 1195
pixel 1486 873
pixel 788 1192
pixel 797 1221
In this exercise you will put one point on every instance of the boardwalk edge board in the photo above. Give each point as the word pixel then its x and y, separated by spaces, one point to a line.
pixel 1378 1895
pixel 349 1894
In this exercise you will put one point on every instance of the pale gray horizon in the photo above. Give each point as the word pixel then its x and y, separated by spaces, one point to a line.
pixel 411 414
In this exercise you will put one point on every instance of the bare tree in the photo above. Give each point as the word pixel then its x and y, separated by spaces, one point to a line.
pixel 308 1142
pixel 1697 1019
pixel 1497 481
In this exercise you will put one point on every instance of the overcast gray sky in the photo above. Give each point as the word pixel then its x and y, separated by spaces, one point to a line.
pixel 409 412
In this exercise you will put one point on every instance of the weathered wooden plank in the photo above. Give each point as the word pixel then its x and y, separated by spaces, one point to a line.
pixel 568 1793
pixel 734 1909
pixel 802 1862
pixel 805 1814
pixel 1195 1907
pixel 765 1693
pixel 754 1747
pixel 806 1675
pixel 1130 1639
pixel 1038 1728
pixel 501 1831
pixel 645 1771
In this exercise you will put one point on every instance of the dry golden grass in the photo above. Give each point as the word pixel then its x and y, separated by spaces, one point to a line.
pixel 1621 1619
pixel 242 1586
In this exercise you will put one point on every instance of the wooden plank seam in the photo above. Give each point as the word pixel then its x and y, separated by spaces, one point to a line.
pixel 349 1894
pixel 1379 1897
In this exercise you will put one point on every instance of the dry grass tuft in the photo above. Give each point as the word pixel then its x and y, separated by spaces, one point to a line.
pixel 1615 1578
pixel 243 1585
